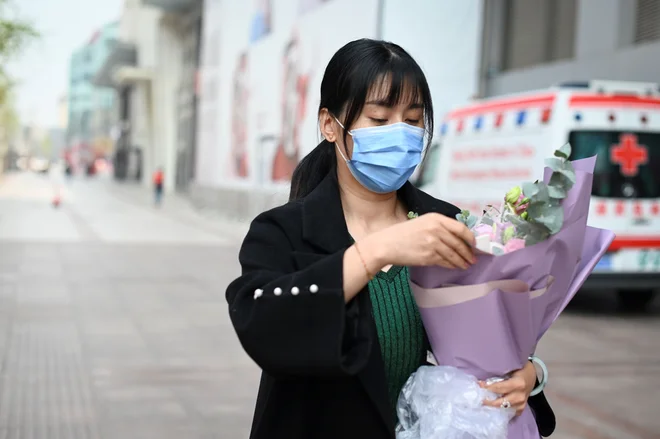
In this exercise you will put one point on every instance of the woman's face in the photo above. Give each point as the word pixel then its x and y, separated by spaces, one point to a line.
pixel 377 112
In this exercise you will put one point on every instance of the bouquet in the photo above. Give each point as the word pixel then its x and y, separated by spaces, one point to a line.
pixel 484 322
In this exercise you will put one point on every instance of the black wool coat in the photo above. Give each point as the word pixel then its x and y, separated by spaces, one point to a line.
pixel 323 375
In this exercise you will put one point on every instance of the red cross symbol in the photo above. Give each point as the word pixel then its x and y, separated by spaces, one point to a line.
pixel 637 209
pixel 601 208
pixel 629 155
pixel 655 208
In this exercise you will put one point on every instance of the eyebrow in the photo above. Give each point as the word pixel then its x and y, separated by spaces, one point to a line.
pixel 385 103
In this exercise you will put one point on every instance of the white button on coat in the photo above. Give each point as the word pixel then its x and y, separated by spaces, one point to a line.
pixel 313 288
pixel 258 293
pixel 295 291
pixel 277 291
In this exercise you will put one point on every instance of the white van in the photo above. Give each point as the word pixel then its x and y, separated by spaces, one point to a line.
pixel 489 146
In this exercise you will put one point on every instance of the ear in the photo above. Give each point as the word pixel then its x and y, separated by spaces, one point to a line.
pixel 328 125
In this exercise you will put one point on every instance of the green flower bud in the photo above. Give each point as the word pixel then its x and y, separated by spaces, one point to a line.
pixel 508 233
pixel 524 216
pixel 513 195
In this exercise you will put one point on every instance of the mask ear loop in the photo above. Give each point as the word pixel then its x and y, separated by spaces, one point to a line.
pixel 337 146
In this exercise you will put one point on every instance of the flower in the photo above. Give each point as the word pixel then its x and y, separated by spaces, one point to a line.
pixel 513 196
pixel 514 244
pixel 484 229
pixel 508 234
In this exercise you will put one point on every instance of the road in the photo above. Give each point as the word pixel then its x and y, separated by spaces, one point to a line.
pixel 113 325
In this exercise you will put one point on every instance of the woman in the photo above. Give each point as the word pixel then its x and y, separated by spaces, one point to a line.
pixel 323 304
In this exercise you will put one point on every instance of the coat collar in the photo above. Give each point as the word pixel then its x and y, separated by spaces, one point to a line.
pixel 324 225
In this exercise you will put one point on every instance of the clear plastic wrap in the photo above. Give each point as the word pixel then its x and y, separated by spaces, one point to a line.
pixel 443 402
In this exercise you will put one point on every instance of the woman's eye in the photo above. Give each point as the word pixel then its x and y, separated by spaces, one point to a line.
pixel 412 121
pixel 378 120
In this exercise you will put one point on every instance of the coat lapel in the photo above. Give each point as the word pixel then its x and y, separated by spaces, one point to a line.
pixel 324 227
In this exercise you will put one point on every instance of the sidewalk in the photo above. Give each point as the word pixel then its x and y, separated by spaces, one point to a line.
pixel 177 207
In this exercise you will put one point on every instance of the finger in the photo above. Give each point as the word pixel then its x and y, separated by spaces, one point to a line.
pixel 505 387
pixel 516 400
pixel 460 230
pixel 459 246
pixel 451 256
pixel 442 262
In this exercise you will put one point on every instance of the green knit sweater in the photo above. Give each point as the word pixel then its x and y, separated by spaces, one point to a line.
pixel 400 331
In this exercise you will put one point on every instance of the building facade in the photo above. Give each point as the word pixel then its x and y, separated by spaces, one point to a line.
pixel 261 69
pixel 153 71
pixel 531 44
pixel 90 108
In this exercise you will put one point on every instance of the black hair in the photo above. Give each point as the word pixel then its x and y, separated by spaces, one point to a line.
pixel 351 73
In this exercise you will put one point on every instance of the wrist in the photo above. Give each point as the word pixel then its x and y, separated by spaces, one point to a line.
pixel 374 253
pixel 534 361
pixel 529 375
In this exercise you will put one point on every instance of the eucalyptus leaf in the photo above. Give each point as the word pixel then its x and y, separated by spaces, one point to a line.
pixel 564 152
pixel 562 167
pixel 539 193
pixel 530 189
pixel 554 163
pixel 559 185
pixel 551 216
pixel 557 192
pixel 471 221
pixel 535 236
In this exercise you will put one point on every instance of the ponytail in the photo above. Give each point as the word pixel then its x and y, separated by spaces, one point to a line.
pixel 312 169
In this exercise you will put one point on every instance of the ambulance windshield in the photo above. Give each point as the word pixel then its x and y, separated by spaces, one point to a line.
pixel 628 164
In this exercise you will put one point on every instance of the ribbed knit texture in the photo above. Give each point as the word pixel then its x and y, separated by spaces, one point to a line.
pixel 399 325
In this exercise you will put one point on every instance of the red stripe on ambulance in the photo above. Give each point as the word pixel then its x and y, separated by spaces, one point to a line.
pixel 635 242
pixel 591 100
pixel 501 105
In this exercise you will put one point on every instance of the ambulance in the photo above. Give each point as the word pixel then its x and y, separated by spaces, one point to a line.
pixel 491 145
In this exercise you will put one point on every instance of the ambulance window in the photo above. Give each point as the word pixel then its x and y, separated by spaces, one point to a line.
pixel 628 163
pixel 429 166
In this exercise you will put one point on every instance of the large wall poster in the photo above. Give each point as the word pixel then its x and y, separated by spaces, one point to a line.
pixel 239 161
pixel 269 82
pixel 207 127
pixel 261 23
pixel 309 5
pixel 295 88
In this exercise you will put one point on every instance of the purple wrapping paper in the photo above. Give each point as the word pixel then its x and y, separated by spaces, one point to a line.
pixel 494 329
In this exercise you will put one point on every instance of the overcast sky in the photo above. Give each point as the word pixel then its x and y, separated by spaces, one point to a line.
pixel 43 71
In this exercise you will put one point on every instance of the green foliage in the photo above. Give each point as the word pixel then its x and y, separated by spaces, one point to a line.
pixel 545 215
pixel 466 218
pixel 15 35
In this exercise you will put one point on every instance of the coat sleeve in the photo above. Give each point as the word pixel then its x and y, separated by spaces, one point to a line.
pixel 543 413
pixel 295 322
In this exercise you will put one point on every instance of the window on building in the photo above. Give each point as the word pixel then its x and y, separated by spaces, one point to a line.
pixel 538 31
pixel 647 21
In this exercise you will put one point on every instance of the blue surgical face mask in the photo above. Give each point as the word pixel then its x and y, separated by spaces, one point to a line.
pixel 384 157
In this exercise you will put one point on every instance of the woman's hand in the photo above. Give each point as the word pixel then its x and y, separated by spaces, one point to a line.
pixel 515 390
pixel 430 239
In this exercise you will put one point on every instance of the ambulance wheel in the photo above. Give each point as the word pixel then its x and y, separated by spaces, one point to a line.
pixel 635 300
